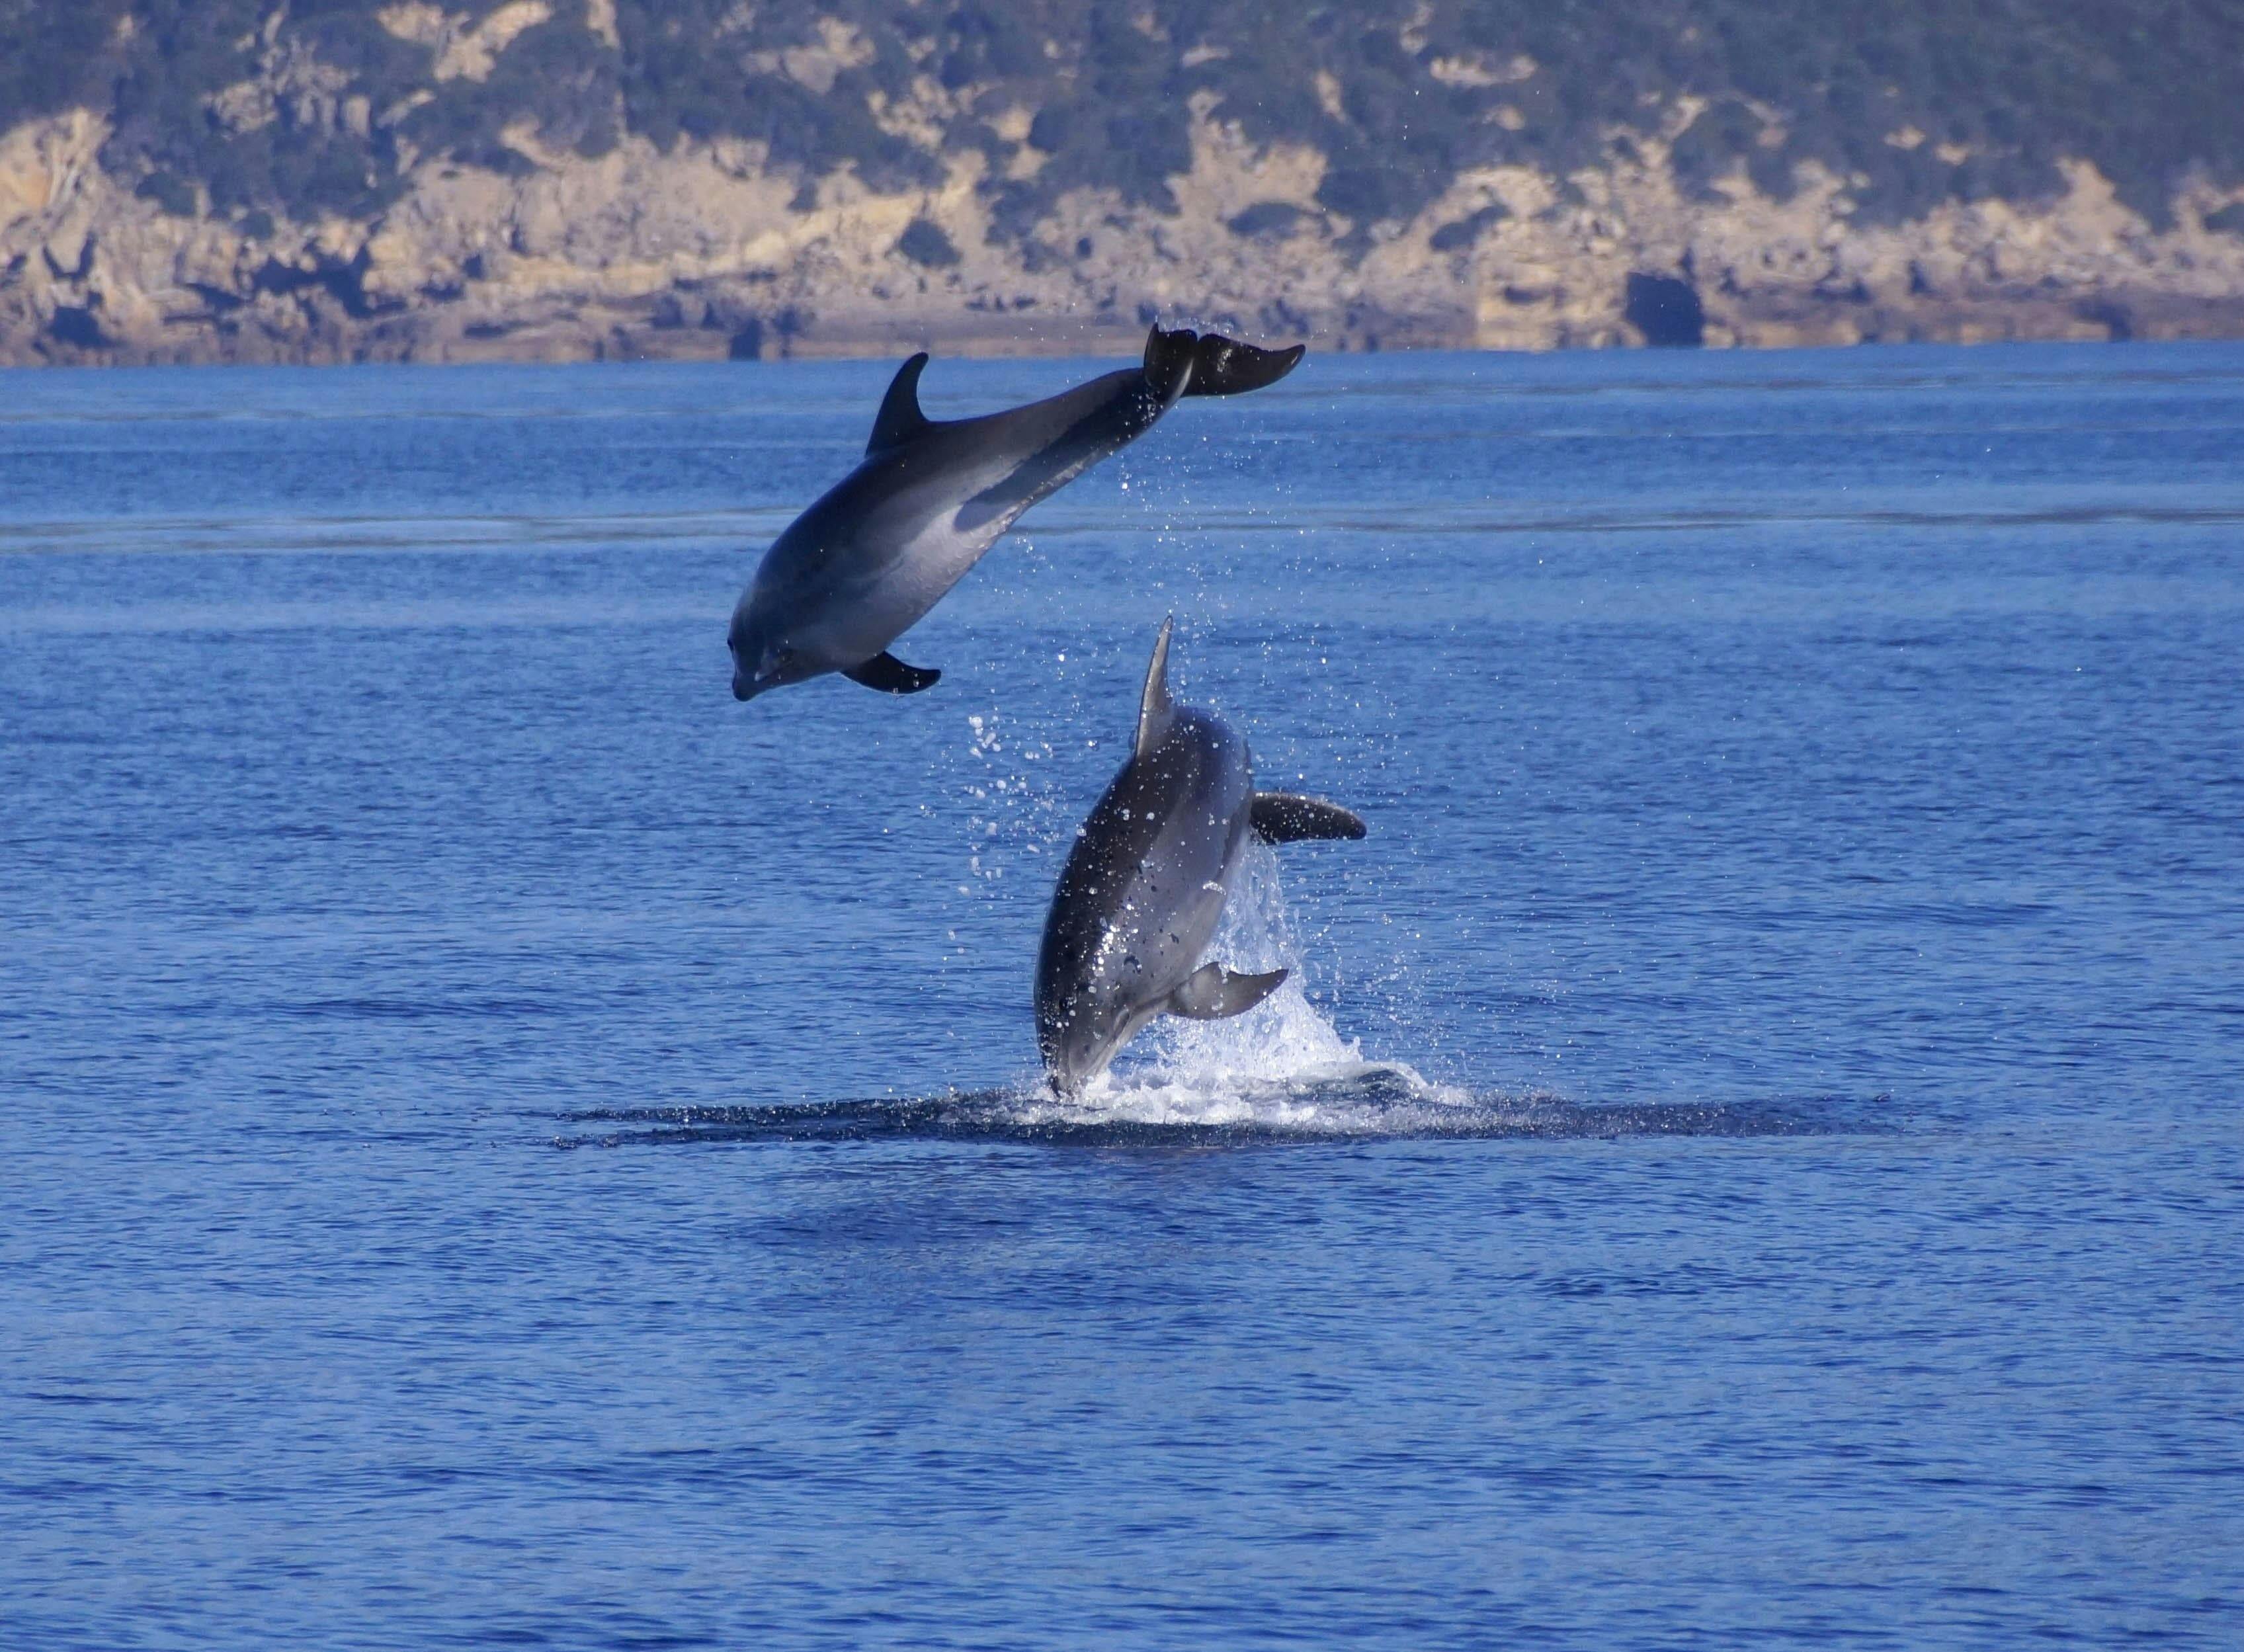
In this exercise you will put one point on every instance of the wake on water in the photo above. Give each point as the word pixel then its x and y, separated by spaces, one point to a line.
pixel 1372 1103
pixel 1280 1072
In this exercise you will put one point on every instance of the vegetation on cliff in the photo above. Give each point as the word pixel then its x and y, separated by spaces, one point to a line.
pixel 241 107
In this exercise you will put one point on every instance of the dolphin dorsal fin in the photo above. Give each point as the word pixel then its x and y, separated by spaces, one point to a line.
pixel 899 419
pixel 1153 710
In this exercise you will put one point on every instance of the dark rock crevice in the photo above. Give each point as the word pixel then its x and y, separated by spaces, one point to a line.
pixel 1665 310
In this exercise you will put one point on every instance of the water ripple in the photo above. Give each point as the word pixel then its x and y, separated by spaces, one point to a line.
pixel 1378 1103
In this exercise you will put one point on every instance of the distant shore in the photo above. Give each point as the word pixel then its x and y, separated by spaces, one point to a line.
pixel 706 251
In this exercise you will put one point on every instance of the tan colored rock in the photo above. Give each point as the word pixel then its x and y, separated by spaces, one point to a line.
pixel 704 251
pixel 465 51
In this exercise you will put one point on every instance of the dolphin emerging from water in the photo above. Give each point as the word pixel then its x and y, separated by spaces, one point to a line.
pixel 1138 899
pixel 863 565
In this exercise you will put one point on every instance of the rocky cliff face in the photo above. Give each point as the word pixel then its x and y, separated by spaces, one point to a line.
pixel 711 247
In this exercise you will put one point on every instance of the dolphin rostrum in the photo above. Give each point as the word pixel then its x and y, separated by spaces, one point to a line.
pixel 864 563
pixel 1145 884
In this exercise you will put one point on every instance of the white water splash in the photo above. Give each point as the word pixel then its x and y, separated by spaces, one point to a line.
pixel 1283 1039
pixel 1281 1066
pixel 1013 807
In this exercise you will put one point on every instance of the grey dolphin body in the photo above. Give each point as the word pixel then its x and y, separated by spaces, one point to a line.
pixel 865 562
pixel 1145 884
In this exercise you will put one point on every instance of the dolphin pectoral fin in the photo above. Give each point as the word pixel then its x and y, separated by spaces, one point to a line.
pixel 899 419
pixel 1213 993
pixel 891 676
pixel 1225 367
pixel 1280 816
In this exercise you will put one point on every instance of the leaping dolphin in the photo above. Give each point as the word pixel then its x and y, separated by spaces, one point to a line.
pixel 864 563
pixel 1138 899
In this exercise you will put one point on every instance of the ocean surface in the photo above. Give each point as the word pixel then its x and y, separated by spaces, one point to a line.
pixel 501 1145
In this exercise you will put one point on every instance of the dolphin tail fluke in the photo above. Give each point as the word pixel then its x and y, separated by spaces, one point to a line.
pixel 1155 711
pixel 1187 363
pixel 1171 360
pixel 891 676
pixel 1280 816
pixel 1225 367
pixel 1213 993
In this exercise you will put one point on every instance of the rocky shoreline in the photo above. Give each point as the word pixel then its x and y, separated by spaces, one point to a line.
pixel 706 251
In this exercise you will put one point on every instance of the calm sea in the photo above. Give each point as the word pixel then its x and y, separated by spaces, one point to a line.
pixel 503 1146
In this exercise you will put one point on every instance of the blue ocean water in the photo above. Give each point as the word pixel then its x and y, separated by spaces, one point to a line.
pixel 504 1146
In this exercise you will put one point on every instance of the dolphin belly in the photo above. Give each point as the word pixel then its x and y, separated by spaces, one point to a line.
pixel 1168 909
pixel 879 550
pixel 1141 894
pixel 876 597
pixel 862 566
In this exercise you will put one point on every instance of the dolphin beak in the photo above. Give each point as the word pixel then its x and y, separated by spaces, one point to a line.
pixel 1075 1069
pixel 742 689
